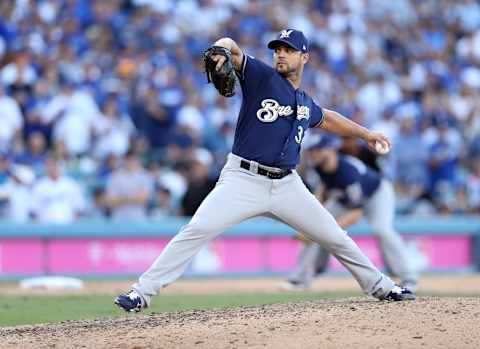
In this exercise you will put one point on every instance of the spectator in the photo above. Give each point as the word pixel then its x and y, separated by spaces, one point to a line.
pixel 129 190
pixel 17 194
pixel 35 154
pixel 389 127
pixel 105 169
pixel 56 198
pixel 473 185
pixel 78 112
pixel 163 205
pixel 190 115
pixel 11 119
pixel 98 208
pixel 113 131
pixel 4 167
pixel 443 155
pixel 411 155
pixel 153 119
pixel 377 95
pixel 474 151
pixel 199 182
pixel 38 119
pixel 19 72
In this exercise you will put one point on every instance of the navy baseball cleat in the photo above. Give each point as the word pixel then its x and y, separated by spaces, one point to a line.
pixel 399 294
pixel 291 285
pixel 131 301
pixel 411 285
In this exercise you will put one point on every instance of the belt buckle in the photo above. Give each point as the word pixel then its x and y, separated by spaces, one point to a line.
pixel 254 167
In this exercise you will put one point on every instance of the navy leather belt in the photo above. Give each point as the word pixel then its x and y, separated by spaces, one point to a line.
pixel 265 172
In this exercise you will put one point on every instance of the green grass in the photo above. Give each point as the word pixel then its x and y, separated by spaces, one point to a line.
pixel 20 310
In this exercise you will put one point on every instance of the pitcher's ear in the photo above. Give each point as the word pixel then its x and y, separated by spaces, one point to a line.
pixel 305 57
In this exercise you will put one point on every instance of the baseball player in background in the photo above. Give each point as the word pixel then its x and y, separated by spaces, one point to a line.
pixel 351 190
pixel 259 177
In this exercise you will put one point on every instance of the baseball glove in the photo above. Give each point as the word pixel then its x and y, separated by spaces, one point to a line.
pixel 224 78
pixel 302 238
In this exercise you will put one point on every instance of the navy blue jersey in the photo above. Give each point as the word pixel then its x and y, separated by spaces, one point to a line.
pixel 352 183
pixel 273 118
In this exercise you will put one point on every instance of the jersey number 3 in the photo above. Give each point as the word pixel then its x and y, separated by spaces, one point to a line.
pixel 298 137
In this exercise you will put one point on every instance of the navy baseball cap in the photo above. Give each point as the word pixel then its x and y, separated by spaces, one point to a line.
pixel 326 141
pixel 291 37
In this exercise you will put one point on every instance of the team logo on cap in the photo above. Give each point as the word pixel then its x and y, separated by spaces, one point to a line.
pixel 285 33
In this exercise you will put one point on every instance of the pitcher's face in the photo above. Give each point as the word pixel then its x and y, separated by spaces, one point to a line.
pixel 287 60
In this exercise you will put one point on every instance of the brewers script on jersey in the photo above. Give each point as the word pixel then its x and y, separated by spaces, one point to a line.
pixel 259 179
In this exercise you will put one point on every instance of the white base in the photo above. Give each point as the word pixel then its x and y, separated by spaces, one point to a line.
pixel 51 282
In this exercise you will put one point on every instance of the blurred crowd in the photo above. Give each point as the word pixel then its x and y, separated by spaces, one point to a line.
pixel 105 109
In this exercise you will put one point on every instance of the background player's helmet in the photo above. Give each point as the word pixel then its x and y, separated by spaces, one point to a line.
pixel 326 141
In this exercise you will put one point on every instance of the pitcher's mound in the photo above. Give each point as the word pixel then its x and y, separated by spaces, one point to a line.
pixel 428 322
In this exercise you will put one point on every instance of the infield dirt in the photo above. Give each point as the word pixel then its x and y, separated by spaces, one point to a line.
pixel 347 323
pixel 360 322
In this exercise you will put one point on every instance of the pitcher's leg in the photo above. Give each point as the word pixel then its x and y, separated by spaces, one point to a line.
pixel 380 211
pixel 323 256
pixel 293 203
pixel 238 196
pixel 321 262
pixel 304 271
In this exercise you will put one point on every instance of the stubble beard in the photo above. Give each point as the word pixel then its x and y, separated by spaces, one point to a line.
pixel 286 71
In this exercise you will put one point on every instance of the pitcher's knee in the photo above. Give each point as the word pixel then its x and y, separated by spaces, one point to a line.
pixel 338 245
pixel 197 231
pixel 334 242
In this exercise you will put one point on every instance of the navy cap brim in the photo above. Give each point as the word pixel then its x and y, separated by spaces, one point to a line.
pixel 334 144
pixel 323 147
pixel 277 42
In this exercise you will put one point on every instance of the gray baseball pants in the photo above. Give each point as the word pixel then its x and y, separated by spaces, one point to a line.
pixel 379 212
pixel 241 194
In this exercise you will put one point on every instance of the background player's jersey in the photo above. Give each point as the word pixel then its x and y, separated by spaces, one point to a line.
pixel 352 184
pixel 363 153
pixel 273 118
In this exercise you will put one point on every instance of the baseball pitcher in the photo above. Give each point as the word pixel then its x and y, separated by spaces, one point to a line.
pixel 259 177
